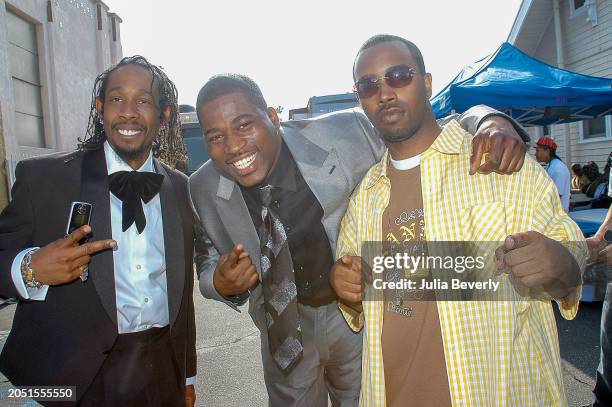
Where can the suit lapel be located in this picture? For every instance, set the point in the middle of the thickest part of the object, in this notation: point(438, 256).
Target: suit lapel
point(320, 168)
point(229, 202)
point(94, 189)
point(173, 243)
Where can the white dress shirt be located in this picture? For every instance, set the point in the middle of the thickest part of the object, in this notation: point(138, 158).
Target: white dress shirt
point(139, 262)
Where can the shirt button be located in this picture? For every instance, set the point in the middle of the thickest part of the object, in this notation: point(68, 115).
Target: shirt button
point(146, 299)
point(138, 267)
point(276, 203)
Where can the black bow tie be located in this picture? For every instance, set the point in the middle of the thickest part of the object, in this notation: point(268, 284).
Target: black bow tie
point(132, 187)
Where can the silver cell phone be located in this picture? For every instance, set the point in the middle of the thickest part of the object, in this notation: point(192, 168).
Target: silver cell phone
point(80, 214)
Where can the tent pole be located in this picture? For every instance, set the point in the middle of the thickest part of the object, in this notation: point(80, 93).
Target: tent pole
point(561, 64)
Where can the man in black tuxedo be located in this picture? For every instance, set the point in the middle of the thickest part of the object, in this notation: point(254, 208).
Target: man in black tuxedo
point(113, 317)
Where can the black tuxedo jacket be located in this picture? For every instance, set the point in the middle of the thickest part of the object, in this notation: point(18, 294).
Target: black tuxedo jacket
point(65, 339)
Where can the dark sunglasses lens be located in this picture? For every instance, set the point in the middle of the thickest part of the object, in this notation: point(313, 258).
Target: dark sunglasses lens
point(399, 77)
point(366, 87)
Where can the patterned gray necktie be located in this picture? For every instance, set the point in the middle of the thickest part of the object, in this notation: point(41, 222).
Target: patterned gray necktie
point(280, 291)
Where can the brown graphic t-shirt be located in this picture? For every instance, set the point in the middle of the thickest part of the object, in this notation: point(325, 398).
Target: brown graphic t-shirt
point(413, 352)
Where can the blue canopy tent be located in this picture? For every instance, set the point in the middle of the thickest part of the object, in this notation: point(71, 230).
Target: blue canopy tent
point(532, 92)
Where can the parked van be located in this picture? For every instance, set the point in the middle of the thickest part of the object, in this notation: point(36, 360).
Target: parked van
point(197, 153)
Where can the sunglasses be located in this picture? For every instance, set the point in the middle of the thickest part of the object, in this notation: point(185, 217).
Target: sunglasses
point(397, 77)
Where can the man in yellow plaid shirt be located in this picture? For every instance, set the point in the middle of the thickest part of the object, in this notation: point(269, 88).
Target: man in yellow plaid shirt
point(459, 353)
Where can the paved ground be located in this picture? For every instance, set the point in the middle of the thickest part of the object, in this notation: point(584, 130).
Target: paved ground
point(229, 362)
point(579, 341)
point(230, 372)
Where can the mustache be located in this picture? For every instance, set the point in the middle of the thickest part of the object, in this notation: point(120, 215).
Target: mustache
point(389, 105)
point(138, 125)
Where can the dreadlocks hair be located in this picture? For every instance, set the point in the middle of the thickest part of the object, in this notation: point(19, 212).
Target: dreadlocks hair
point(168, 146)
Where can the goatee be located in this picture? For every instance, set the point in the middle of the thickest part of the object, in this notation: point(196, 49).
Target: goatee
point(397, 135)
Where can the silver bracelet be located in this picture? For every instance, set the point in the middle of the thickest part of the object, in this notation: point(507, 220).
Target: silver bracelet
point(27, 272)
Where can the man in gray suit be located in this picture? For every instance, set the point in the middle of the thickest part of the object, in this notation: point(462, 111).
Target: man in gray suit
point(270, 202)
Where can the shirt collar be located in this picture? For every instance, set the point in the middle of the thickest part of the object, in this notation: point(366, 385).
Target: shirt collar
point(284, 173)
point(449, 141)
point(115, 163)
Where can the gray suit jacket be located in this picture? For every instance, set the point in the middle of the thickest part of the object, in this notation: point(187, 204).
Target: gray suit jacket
point(333, 152)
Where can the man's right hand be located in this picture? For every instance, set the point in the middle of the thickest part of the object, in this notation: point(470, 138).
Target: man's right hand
point(235, 273)
point(63, 260)
point(346, 279)
point(595, 244)
point(599, 250)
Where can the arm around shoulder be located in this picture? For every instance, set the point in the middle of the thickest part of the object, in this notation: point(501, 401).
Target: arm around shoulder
point(472, 118)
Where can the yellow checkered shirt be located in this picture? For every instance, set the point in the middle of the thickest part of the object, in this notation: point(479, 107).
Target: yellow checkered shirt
point(498, 353)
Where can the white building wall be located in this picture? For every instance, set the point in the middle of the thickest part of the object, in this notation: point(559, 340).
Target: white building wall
point(588, 50)
point(546, 50)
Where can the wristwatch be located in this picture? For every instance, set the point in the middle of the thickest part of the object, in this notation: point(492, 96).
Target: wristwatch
point(27, 272)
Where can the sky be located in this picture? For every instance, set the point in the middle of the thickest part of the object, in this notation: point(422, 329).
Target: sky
point(295, 50)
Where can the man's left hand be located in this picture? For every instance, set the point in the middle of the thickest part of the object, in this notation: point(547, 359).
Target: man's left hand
point(537, 261)
point(504, 149)
point(190, 395)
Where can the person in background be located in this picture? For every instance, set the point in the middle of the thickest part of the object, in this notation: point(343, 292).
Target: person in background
point(601, 198)
point(546, 153)
point(600, 250)
point(578, 178)
point(591, 172)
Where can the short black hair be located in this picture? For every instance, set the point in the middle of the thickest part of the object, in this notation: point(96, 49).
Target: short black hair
point(380, 38)
point(223, 84)
point(577, 169)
